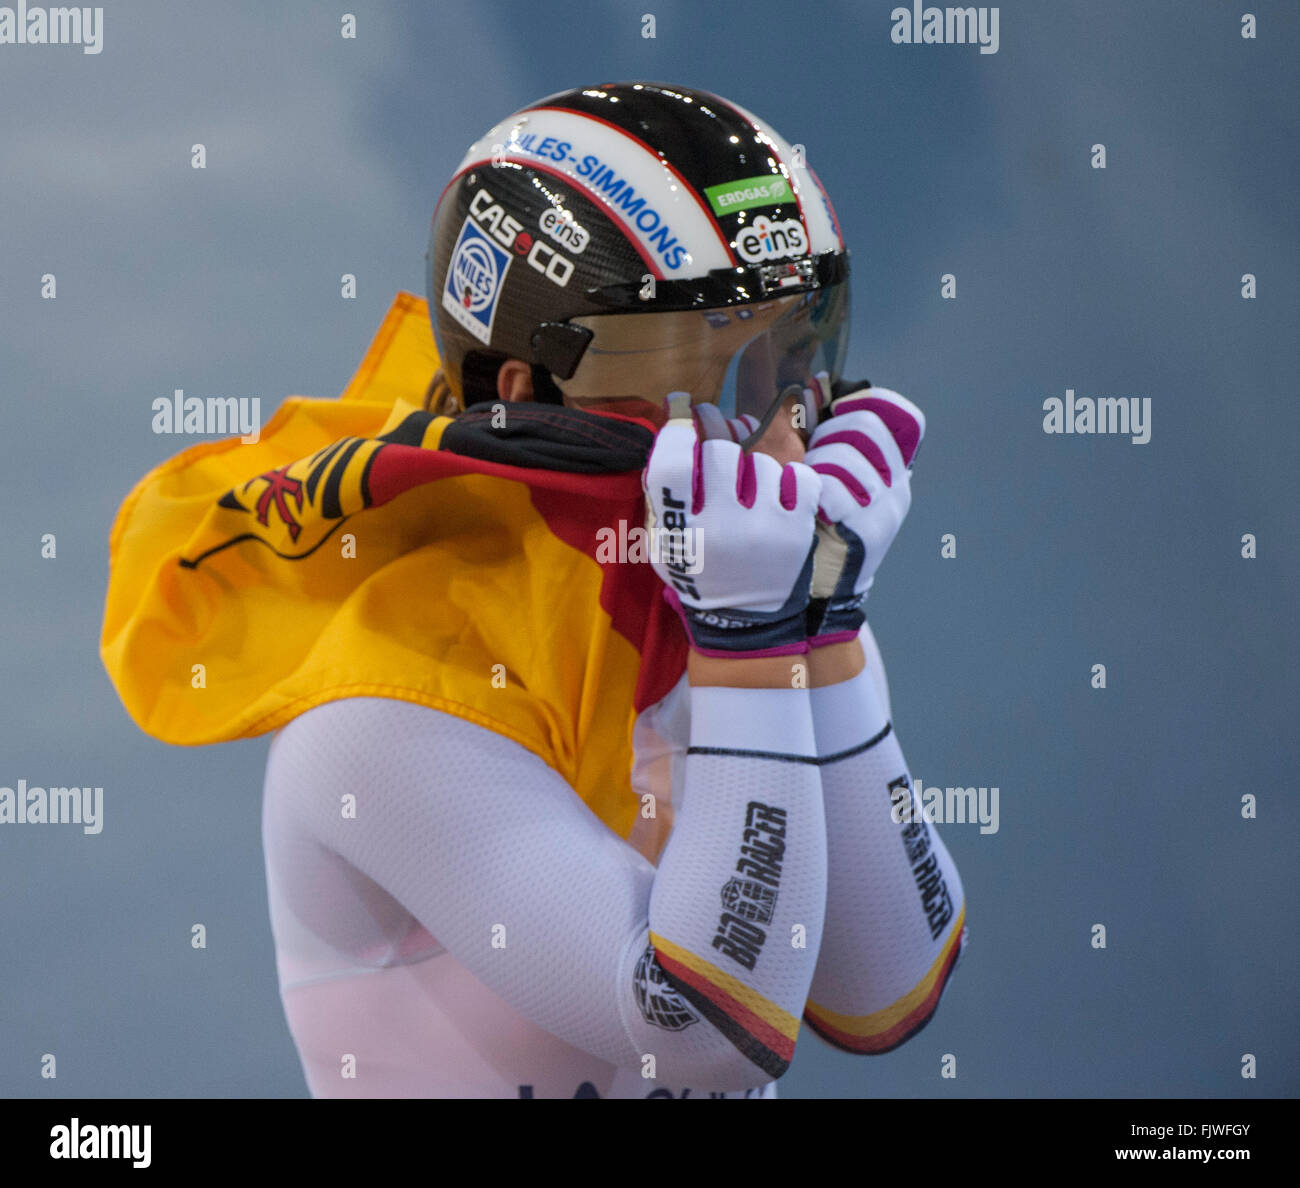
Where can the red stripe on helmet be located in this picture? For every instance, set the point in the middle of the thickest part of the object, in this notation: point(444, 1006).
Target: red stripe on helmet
point(690, 189)
point(835, 222)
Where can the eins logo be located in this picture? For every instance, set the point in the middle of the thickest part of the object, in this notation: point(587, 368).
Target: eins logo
point(562, 227)
point(765, 240)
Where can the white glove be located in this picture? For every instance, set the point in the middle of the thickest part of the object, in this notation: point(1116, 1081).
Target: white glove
point(732, 538)
point(864, 453)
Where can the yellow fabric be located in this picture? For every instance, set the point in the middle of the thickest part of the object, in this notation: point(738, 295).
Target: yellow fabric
point(401, 359)
point(456, 594)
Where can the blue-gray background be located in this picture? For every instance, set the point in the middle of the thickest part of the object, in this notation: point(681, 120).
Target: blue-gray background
point(325, 156)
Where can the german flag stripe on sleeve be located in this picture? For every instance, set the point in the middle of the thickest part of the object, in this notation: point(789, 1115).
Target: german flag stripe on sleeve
point(759, 1029)
point(885, 1029)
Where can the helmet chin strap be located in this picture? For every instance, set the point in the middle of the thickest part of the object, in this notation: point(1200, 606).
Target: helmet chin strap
point(768, 417)
point(798, 392)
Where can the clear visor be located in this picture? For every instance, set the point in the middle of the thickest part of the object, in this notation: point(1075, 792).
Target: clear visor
point(746, 359)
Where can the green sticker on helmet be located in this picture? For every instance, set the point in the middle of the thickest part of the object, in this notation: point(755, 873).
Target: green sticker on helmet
point(764, 190)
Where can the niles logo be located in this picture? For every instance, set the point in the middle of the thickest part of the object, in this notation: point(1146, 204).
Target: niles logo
point(562, 227)
point(766, 240)
point(474, 275)
point(509, 233)
point(474, 279)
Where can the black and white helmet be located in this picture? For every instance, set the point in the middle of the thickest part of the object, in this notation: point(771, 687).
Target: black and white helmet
point(599, 228)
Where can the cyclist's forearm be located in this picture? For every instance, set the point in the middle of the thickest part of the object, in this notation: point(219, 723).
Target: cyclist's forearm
point(895, 908)
point(752, 819)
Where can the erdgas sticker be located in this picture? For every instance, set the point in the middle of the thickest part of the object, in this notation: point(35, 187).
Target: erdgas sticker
point(747, 192)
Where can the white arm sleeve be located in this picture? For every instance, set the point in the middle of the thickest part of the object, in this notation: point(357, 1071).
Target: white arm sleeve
point(494, 853)
point(895, 907)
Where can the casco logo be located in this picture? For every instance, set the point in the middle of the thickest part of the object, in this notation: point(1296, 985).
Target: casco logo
point(509, 233)
point(562, 227)
point(766, 240)
point(489, 213)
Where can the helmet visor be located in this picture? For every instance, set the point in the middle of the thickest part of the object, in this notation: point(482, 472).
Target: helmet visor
point(747, 359)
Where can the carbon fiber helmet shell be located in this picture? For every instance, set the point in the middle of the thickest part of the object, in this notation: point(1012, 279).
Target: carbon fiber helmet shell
point(625, 197)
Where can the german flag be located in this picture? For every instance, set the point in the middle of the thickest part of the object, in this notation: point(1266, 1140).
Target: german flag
point(365, 547)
